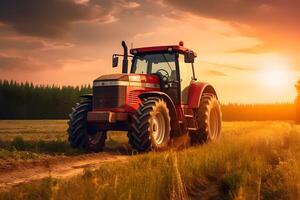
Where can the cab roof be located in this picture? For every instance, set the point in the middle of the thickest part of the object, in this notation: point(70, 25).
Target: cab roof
point(170, 48)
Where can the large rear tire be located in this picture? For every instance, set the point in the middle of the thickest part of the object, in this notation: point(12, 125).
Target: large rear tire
point(150, 129)
point(209, 119)
point(83, 135)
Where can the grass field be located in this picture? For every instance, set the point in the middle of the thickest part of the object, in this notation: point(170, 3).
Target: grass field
point(251, 160)
point(34, 139)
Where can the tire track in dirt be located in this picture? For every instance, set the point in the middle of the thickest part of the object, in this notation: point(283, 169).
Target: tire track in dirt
point(58, 167)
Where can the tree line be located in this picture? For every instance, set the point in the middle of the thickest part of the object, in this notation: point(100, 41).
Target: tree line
point(29, 101)
point(258, 112)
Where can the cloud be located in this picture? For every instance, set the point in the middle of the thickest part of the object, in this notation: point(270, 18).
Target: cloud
point(26, 63)
point(277, 22)
point(245, 11)
point(130, 4)
point(260, 48)
point(49, 18)
point(214, 73)
point(13, 44)
point(24, 43)
point(227, 66)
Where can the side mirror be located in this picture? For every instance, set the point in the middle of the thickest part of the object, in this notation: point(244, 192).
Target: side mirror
point(115, 61)
point(189, 57)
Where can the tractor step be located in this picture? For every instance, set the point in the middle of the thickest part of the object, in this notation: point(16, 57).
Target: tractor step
point(191, 122)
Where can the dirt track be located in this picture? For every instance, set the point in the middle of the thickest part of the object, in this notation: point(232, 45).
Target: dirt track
point(12, 174)
point(59, 167)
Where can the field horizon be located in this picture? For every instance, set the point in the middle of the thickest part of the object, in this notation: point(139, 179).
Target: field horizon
point(29, 101)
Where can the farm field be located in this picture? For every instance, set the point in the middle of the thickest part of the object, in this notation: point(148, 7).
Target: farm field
point(251, 160)
point(30, 139)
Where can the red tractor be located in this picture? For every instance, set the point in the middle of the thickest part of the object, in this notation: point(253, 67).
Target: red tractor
point(159, 100)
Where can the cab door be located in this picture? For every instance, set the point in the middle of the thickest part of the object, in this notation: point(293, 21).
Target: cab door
point(186, 76)
point(168, 67)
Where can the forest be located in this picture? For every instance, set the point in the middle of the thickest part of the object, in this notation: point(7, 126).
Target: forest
point(29, 101)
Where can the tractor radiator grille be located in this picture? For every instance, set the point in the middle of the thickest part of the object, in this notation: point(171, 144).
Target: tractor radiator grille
point(109, 96)
point(133, 97)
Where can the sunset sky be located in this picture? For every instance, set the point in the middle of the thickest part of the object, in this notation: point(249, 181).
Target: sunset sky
point(248, 49)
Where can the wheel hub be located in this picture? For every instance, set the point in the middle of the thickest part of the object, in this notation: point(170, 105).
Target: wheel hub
point(158, 128)
point(214, 123)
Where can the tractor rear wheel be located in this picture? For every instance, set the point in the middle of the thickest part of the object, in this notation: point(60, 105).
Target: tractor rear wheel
point(209, 119)
point(84, 135)
point(150, 128)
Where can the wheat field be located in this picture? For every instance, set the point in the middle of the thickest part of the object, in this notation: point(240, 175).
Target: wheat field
point(251, 160)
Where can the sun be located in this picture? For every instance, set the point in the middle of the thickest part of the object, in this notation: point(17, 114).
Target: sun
point(275, 77)
point(275, 72)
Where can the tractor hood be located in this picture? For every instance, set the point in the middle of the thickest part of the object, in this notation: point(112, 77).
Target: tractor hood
point(128, 79)
point(109, 77)
point(120, 91)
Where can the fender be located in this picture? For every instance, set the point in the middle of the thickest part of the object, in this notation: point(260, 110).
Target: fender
point(87, 96)
point(171, 106)
point(197, 89)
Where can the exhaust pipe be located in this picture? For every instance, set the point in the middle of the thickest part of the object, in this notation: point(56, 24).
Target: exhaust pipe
point(125, 58)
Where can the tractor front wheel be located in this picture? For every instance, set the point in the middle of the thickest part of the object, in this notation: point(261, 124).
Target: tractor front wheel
point(84, 135)
point(150, 129)
point(209, 118)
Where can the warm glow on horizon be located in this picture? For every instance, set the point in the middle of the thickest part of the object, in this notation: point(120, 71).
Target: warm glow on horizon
point(275, 73)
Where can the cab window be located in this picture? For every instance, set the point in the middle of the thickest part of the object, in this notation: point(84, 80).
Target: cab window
point(163, 63)
point(186, 69)
point(186, 76)
point(143, 64)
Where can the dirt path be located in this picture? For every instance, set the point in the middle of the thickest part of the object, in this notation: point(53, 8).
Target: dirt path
point(15, 173)
point(58, 167)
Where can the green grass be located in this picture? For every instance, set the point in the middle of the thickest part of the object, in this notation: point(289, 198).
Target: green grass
point(35, 139)
point(252, 160)
point(51, 147)
point(14, 155)
point(33, 129)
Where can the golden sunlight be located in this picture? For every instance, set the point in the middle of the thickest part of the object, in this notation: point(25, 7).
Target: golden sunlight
point(275, 73)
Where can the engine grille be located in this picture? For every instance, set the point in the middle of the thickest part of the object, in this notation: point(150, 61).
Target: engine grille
point(109, 96)
point(133, 97)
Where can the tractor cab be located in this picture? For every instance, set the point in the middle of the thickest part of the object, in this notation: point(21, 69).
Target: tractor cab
point(174, 66)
